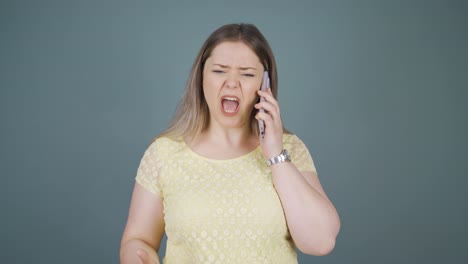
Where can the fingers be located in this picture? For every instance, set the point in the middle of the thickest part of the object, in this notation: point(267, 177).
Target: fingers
point(270, 105)
point(271, 116)
point(265, 117)
point(272, 143)
point(270, 108)
point(268, 95)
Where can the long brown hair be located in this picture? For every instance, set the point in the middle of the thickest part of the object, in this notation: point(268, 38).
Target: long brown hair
point(192, 114)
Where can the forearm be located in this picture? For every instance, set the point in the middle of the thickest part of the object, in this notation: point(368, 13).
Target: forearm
point(128, 251)
point(312, 219)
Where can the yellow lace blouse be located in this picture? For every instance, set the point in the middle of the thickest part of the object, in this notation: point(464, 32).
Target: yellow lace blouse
point(220, 211)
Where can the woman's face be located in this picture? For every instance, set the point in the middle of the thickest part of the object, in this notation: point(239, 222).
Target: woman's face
point(231, 78)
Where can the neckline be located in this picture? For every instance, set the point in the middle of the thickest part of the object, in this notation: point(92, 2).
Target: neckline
point(196, 154)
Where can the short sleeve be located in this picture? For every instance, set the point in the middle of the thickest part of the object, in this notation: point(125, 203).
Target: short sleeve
point(300, 155)
point(147, 173)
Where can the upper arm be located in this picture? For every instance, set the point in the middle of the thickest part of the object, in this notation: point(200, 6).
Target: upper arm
point(312, 178)
point(304, 163)
point(146, 217)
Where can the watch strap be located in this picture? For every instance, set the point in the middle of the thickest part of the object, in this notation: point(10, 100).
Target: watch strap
point(282, 157)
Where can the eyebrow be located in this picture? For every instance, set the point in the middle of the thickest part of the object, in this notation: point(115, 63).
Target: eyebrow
point(241, 68)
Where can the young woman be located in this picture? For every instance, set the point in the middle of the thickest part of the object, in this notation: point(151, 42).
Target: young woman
point(220, 192)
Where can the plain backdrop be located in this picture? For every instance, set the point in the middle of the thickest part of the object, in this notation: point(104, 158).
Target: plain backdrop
point(376, 89)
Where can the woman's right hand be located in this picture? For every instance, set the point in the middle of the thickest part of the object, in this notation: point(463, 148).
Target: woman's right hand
point(147, 258)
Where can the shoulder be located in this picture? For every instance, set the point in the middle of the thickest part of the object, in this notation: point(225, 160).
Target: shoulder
point(166, 145)
point(299, 152)
point(292, 139)
point(295, 145)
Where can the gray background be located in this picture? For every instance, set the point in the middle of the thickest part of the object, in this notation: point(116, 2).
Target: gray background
point(376, 89)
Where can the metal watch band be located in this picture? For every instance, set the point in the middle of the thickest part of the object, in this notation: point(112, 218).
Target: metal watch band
point(282, 157)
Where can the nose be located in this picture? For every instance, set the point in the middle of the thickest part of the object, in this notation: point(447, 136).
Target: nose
point(232, 81)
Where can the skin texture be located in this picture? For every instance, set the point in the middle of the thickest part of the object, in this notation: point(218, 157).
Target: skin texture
point(312, 219)
point(234, 69)
point(145, 228)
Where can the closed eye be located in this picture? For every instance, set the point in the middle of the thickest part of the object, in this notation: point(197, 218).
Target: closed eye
point(248, 75)
point(218, 71)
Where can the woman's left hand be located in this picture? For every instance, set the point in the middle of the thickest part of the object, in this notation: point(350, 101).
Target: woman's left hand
point(272, 143)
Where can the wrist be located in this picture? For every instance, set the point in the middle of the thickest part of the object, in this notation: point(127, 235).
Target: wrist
point(283, 156)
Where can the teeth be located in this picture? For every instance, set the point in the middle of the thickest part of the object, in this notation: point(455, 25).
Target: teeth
point(231, 99)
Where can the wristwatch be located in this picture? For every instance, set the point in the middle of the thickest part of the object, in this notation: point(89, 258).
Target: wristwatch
point(282, 157)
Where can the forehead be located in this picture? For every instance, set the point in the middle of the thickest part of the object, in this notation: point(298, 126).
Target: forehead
point(234, 53)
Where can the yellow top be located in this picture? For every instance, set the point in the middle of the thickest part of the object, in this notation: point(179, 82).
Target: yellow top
point(220, 211)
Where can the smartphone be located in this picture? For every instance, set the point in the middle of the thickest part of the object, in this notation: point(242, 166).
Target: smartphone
point(265, 85)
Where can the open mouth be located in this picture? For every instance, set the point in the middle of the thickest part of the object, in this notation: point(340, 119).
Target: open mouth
point(230, 105)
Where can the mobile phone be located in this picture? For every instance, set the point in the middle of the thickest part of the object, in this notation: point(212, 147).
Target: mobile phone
point(265, 85)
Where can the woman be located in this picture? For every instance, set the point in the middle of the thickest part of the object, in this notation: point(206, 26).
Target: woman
point(205, 182)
